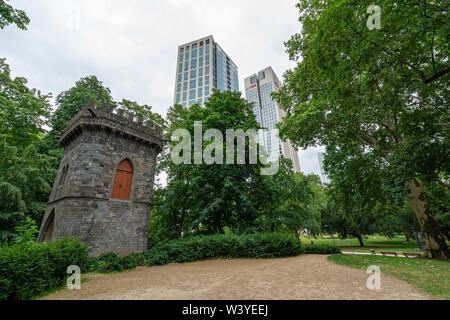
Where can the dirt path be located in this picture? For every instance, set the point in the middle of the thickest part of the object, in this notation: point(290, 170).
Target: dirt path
point(302, 277)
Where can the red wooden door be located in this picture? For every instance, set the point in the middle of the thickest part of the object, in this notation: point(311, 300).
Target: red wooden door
point(123, 181)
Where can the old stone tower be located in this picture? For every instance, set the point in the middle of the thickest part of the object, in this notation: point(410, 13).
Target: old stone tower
point(102, 193)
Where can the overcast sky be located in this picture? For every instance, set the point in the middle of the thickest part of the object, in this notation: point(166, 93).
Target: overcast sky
point(132, 45)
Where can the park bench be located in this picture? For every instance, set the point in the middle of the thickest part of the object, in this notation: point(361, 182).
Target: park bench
point(388, 253)
point(410, 254)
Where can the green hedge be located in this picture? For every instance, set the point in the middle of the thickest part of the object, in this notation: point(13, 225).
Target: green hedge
point(320, 249)
point(28, 269)
point(223, 246)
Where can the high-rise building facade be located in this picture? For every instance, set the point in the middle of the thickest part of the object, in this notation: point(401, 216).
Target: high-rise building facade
point(202, 65)
point(323, 175)
point(258, 88)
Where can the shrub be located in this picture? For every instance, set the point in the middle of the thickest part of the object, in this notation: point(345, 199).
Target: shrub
point(108, 262)
point(223, 246)
point(320, 249)
point(27, 269)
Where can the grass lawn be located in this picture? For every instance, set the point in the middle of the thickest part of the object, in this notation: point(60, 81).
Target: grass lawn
point(379, 243)
point(431, 276)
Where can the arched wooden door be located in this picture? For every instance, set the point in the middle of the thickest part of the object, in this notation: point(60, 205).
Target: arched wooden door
point(122, 181)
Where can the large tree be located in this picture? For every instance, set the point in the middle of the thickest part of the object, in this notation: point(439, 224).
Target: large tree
point(381, 92)
point(25, 174)
point(23, 111)
point(207, 198)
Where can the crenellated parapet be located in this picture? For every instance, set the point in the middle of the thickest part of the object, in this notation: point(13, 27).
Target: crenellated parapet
point(117, 121)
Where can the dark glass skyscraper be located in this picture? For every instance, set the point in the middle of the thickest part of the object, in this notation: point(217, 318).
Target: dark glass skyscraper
point(202, 66)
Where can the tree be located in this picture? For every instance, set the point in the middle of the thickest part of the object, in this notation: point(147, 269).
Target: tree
point(23, 111)
point(381, 92)
point(292, 202)
point(10, 15)
point(69, 102)
point(25, 174)
point(24, 187)
point(208, 198)
point(142, 111)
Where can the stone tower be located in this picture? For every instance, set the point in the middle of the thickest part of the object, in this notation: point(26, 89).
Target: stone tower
point(102, 193)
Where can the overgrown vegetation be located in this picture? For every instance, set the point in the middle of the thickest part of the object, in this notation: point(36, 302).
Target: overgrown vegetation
point(27, 269)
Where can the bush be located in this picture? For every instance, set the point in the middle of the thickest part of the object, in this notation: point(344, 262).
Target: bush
point(320, 249)
point(223, 246)
point(28, 269)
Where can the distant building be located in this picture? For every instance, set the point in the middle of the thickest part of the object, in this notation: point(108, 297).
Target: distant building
point(323, 176)
point(202, 65)
point(258, 88)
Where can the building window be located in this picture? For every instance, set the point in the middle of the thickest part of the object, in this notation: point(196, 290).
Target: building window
point(179, 87)
point(192, 94)
point(193, 74)
point(179, 78)
point(206, 60)
point(253, 80)
point(178, 98)
point(192, 84)
point(123, 181)
point(200, 72)
point(261, 75)
point(184, 96)
point(185, 86)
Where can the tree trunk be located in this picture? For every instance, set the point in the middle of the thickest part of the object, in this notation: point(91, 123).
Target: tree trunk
point(406, 236)
point(361, 243)
point(432, 233)
point(180, 230)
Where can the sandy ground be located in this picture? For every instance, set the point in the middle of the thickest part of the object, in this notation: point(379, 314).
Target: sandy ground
point(302, 277)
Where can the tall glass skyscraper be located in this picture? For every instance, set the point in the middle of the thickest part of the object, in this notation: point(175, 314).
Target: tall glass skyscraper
point(202, 66)
point(258, 88)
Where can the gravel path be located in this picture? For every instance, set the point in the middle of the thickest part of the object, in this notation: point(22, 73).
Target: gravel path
point(302, 277)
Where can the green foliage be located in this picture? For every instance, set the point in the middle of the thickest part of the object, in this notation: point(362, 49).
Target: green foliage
point(208, 199)
point(195, 248)
point(26, 232)
point(27, 269)
point(24, 187)
point(376, 99)
point(142, 111)
point(10, 15)
point(23, 111)
point(320, 249)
